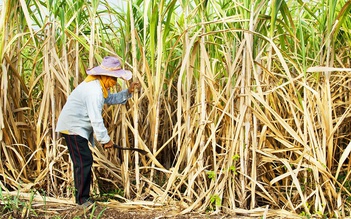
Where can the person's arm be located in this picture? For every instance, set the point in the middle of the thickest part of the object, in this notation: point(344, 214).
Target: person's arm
point(118, 98)
point(122, 96)
point(133, 87)
point(108, 144)
point(94, 106)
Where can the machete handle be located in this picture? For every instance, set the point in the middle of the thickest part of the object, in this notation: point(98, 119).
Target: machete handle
point(131, 149)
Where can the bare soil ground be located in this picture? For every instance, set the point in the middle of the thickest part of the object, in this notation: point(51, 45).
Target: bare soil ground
point(101, 211)
point(66, 209)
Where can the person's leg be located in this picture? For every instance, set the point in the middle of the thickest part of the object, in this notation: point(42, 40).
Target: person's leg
point(82, 161)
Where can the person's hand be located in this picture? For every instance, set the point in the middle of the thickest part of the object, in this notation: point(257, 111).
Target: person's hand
point(133, 86)
point(108, 144)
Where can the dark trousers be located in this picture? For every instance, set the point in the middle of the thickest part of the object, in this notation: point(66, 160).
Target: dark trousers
point(82, 159)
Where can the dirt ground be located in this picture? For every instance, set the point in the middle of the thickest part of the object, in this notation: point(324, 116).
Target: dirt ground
point(113, 213)
point(101, 211)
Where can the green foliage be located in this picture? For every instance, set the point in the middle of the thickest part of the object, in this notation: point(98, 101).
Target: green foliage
point(233, 169)
point(211, 174)
point(236, 157)
point(305, 215)
point(16, 206)
point(114, 194)
point(215, 201)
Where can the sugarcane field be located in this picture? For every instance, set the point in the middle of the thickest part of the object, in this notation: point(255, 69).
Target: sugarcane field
point(175, 109)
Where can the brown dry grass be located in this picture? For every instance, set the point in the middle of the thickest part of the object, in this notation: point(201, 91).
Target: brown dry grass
point(233, 120)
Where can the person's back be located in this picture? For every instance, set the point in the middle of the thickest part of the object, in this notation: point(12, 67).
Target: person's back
point(83, 107)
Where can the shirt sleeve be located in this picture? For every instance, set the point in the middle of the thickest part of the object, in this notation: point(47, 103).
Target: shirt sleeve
point(94, 108)
point(118, 98)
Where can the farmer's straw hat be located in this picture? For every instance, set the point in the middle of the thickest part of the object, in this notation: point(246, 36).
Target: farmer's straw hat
point(110, 66)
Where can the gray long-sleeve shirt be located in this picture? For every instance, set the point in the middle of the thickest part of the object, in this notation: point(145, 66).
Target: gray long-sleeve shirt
point(82, 113)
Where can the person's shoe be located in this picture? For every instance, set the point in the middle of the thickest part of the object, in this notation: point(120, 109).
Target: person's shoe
point(87, 204)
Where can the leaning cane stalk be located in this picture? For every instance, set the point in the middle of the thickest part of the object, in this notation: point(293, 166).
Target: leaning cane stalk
point(135, 97)
point(124, 166)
